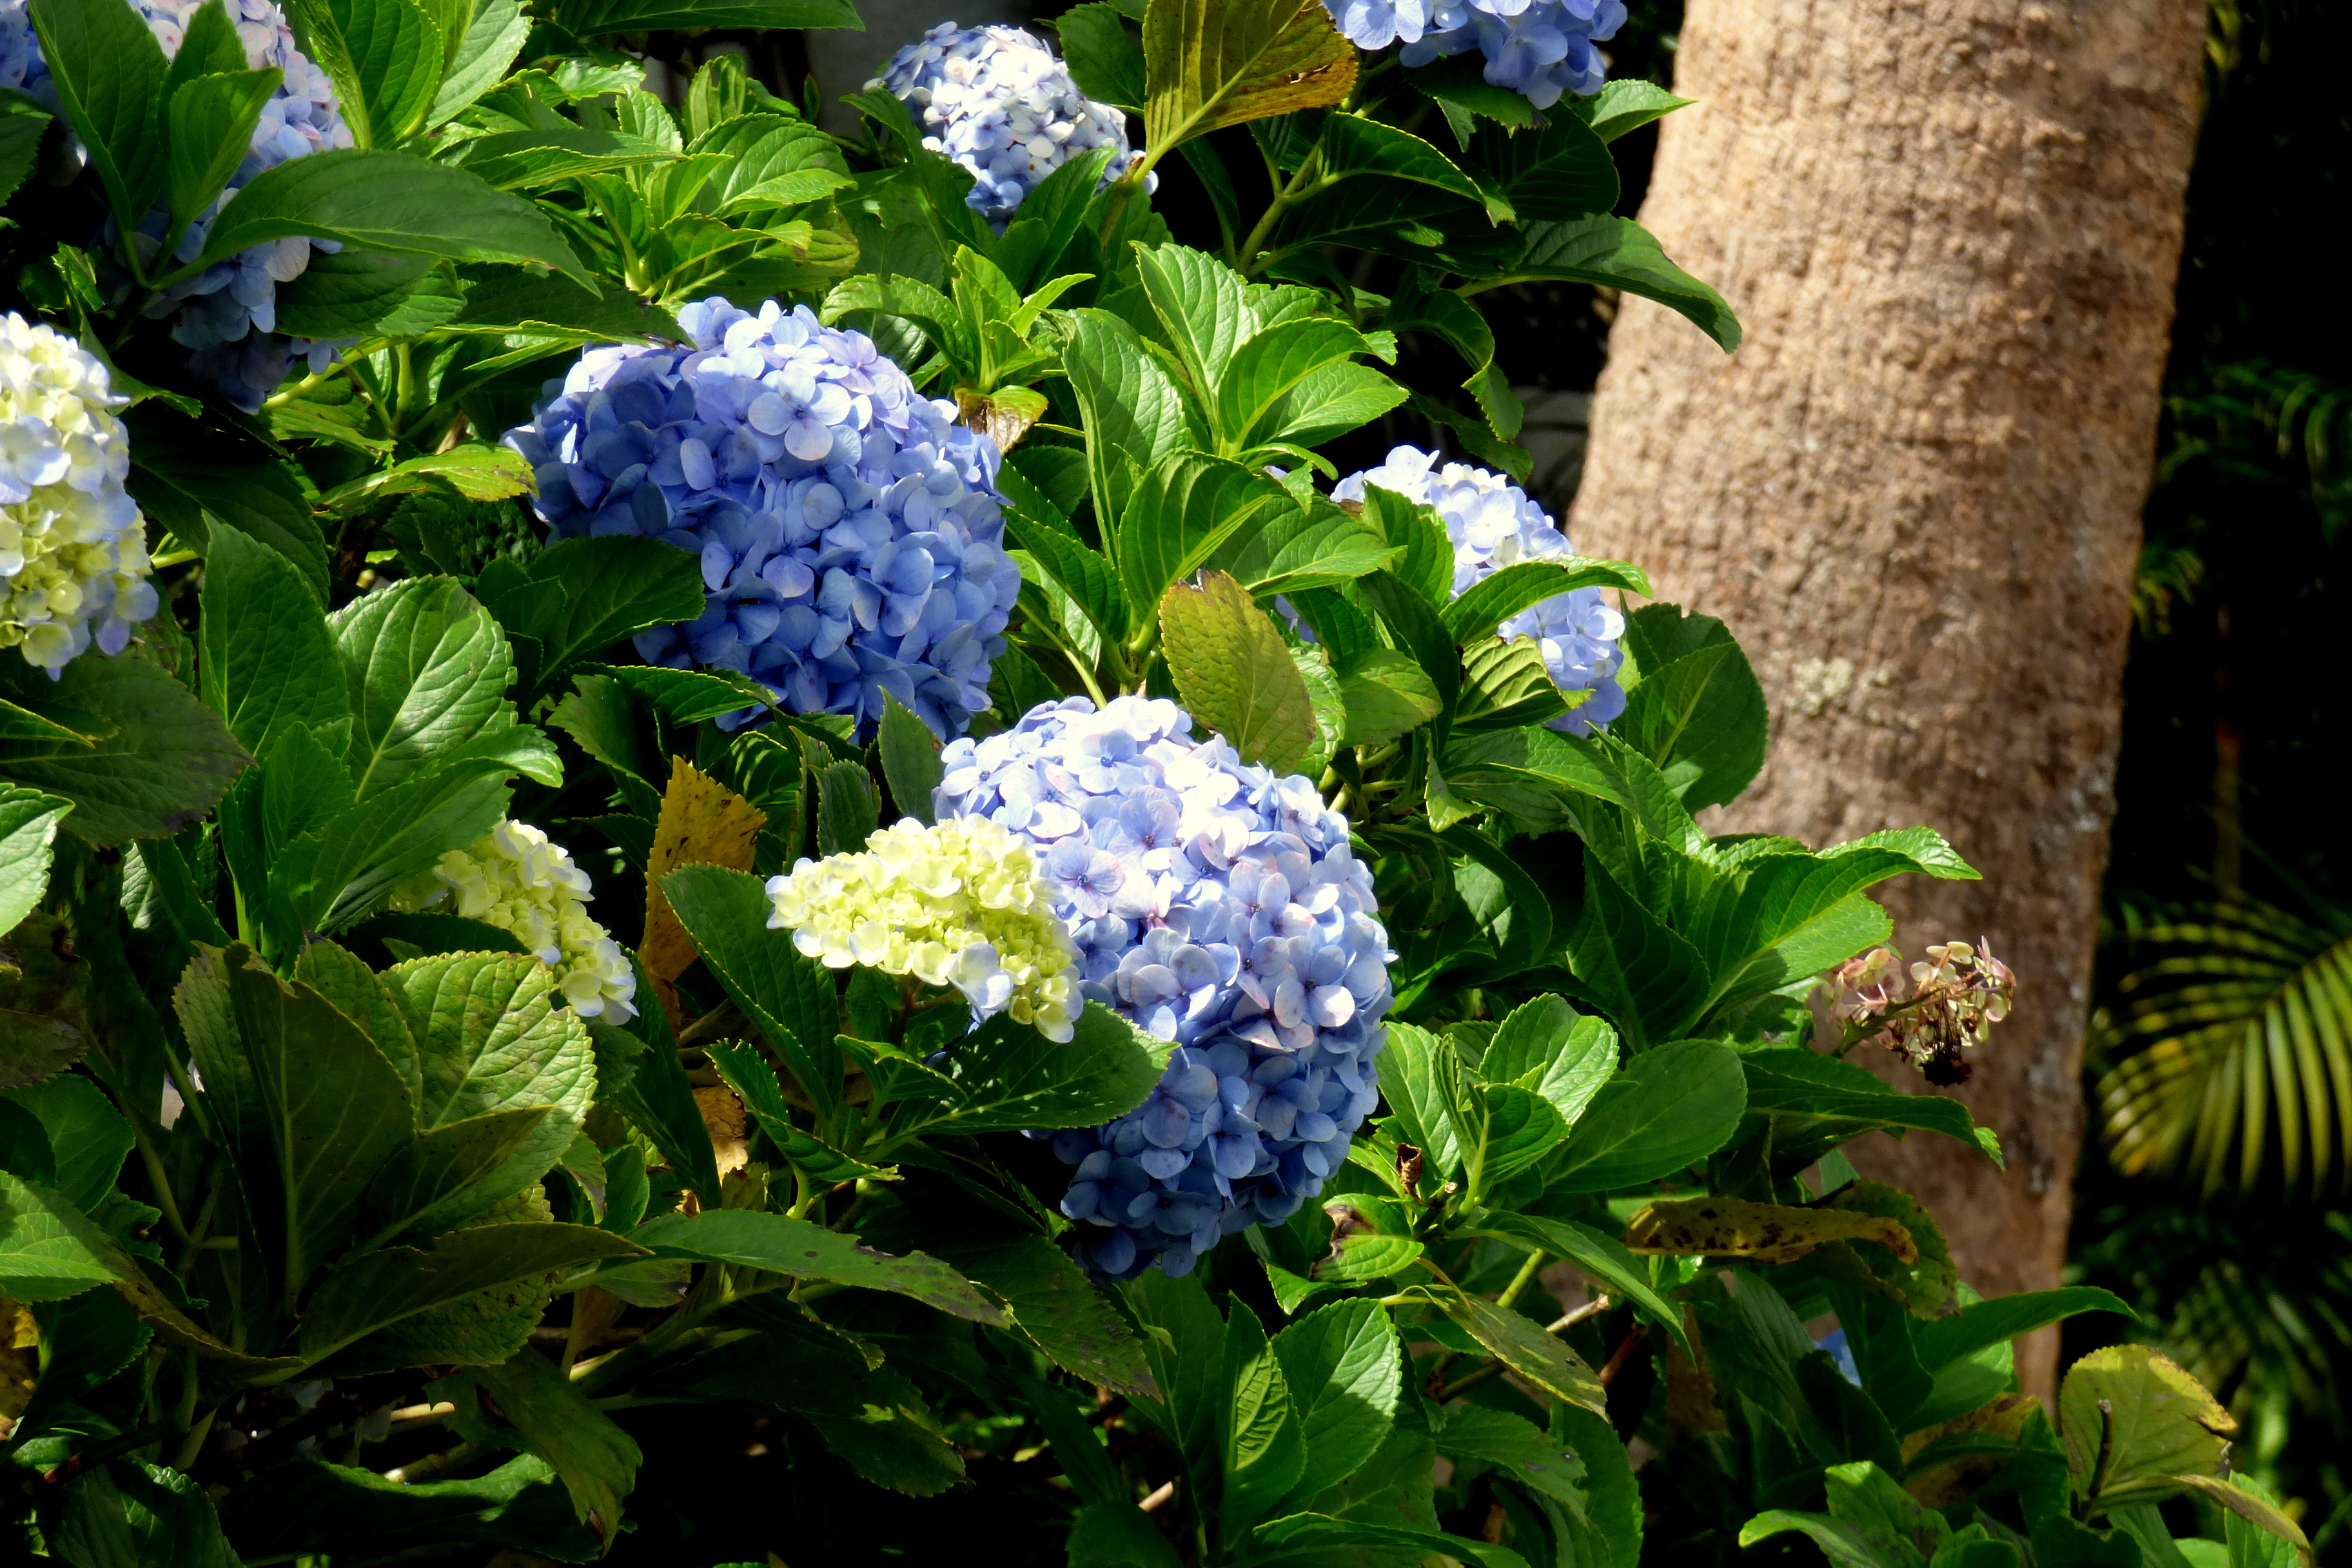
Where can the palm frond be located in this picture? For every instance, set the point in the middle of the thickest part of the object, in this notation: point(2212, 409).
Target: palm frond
point(2239, 411)
point(2228, 1061)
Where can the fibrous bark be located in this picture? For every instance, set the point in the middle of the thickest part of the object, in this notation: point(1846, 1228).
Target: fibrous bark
point(1951, 228)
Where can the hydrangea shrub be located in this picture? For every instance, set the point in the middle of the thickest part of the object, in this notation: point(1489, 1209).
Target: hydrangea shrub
point(1054, 1037)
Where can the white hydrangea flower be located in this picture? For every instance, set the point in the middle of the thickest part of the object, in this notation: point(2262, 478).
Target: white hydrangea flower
point(962, 904)
point(515, 880)
point(73, 545)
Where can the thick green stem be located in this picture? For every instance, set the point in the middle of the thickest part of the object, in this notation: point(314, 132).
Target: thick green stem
point(404, 392)
point(1303, 183)
point(192, 1446)
point(153, 1159)
point(1520, 1280)
point(805, 1193)
point(1086, 679)
point(303, 387)
point(200, 1230)
point(1123, 191)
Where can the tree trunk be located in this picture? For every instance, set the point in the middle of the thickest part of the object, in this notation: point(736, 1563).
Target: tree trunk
point(1951, 228)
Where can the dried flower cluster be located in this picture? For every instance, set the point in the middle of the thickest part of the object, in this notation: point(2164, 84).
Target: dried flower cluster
point(1931, 1013)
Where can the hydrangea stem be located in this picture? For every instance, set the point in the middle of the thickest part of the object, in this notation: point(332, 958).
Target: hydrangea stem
point(1301, 185)
point(153, 1160)
point(303, 387)
point(1520, 1280)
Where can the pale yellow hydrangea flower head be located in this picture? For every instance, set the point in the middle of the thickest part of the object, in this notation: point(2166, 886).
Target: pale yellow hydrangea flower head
point(961, 904)
point(73, 547)
point(515, 880)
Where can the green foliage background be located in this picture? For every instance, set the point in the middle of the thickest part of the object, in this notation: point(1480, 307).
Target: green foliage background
point(414, 1263)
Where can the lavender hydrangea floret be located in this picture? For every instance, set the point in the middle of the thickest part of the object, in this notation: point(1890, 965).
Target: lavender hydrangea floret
point(227, 314)
point(1538, 48)
point(850, 535)
point(1215, 905)
point(997, 101)
point(22, 65)
point(1493, 524)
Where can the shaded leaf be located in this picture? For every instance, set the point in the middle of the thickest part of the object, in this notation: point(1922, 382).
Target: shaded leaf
point(166, 761)
point(1058, 1310)
point(793, 1247)
point(375, 1290)
point(1235, 672)
point(1768, 1233)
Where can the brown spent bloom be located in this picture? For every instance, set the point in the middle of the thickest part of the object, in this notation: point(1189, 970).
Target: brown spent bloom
point(1930, 1015)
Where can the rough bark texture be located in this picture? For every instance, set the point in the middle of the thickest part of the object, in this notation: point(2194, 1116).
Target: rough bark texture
point(1951, 228)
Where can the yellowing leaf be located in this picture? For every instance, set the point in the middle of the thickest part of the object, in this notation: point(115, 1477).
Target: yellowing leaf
point(2258, 1511)
point(1235, 671)
point(702, 823)
point(20, 1361)
point(2131, 1415)
point(1693, 1405)
point(1212, 63)
point(724, 1117)
point(1004, 415)
point(1956, 1480)
point(1926, 1286)
point(1768, 1233)
point(477, 473)
point(1522, 1345)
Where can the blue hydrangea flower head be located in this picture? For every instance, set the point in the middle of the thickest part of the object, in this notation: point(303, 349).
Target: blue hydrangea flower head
point(1539, 49)
point(227, 314)
point(850, 534)
point(1377, 24)
point(1216, 905)
point(22, 65)
point(1494, 524)
point(997, 101)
